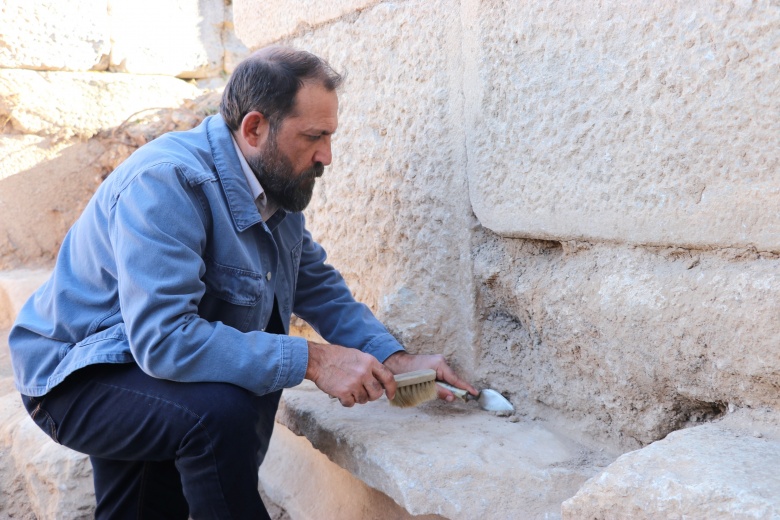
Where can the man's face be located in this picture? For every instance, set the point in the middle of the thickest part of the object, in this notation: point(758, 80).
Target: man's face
point(290, 159)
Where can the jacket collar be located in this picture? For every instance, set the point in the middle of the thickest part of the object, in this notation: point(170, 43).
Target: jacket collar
point(228, 168)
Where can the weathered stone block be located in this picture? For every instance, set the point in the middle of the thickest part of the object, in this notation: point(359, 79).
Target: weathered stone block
point(406, 250)
point(54, 34)
point(703, 472)
point(629, 343)
point(55, 482)
point(648, 124)
point(172, 37)
point(453, 460)
point(80, 104)
point(261, 23)
point(308, 485)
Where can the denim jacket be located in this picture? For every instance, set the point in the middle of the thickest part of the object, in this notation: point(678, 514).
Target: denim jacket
point(170, 266)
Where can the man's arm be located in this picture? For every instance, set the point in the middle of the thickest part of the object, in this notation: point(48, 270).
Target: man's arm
point(324, 301)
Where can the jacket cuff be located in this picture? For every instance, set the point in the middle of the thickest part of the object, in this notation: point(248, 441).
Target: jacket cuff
point(382, 347)
point(295, 356)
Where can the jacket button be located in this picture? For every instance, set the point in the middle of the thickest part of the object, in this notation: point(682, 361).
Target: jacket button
point(268, 276)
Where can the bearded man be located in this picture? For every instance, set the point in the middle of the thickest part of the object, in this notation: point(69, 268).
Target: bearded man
point(159, 345)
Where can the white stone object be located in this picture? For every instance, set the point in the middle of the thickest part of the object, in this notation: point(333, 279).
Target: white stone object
point(180, 38)
point(54, 34)
point(702, 472)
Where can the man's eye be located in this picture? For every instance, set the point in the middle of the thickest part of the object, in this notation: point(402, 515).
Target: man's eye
point(314, 137)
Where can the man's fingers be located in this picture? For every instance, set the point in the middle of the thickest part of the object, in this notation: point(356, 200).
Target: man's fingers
point(385, 378)
point(449, 376)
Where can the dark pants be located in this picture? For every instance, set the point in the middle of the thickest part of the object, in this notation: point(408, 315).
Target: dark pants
point(161, 449)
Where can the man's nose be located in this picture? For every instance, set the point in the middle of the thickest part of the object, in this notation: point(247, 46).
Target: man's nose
point(323, 153)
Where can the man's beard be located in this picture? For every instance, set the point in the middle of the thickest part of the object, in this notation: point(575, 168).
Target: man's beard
point(281, 185)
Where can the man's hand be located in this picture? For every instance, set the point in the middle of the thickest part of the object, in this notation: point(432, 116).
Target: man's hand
point(348, 374)
point(402, 362)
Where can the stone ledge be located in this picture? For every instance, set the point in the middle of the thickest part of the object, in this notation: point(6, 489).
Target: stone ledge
point(453, 460)
point(709, 471)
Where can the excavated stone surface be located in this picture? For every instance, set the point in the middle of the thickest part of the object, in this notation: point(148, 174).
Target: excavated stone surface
point(279, 18)
point(54, 35)
point(40, 478)
point(312, 487)
point(452, 460)
point(67, 104)
point(628, 343)
point(703, 472)
point(172, 37)
point(650, 124)
point(235, 50)
point(393, 210)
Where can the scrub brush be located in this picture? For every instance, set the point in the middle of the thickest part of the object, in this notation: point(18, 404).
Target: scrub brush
point(414, 388)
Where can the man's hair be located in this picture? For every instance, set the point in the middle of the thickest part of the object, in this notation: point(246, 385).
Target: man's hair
point(268, 81)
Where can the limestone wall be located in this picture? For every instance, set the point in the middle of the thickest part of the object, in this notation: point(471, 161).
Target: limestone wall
point(73, 75)
point(578, 202)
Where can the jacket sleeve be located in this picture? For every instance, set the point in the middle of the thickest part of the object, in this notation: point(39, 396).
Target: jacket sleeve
point(323, 300)
point(158, 230)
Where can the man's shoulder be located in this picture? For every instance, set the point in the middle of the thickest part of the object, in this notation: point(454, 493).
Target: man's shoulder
point(188, 154)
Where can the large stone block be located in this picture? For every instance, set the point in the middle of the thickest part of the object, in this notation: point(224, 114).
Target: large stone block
point(16, 286)
point(393, 209)
point(54, 34)
point(260, 23)
point(703, 472)
point(172, 37)
point(650, 123)
point(452, 460)
point(308, 485)
point(628, 343)
point(67, 104)
point(40, 477)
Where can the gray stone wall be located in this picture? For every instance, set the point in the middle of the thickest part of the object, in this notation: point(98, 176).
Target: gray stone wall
point(579, 203)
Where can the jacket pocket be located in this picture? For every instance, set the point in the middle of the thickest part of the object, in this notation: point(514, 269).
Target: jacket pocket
point(233, 285)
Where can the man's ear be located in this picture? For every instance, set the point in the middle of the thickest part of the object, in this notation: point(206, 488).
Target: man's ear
point(255, 128)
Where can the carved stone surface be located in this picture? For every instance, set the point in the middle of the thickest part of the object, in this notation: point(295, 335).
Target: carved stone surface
point(54, 35)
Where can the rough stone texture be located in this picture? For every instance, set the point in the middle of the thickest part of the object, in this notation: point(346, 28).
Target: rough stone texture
point(393, 210)
point(265, 22)
point(172, 37)
point(66, 104)
point(453, 460)
point(40, 478)
point(312, 487)
point(628, 343)
point(54, 34)
point(643, 123)
point(703, 472)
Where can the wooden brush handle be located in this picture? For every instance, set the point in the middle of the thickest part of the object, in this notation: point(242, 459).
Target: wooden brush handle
point(457, 391)
point(412, 378)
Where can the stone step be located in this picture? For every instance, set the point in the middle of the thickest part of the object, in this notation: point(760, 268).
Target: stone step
point(713, 471)
point(452, 460)
point(16, 286)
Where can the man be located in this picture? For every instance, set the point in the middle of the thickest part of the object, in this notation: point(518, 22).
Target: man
point(159, 347)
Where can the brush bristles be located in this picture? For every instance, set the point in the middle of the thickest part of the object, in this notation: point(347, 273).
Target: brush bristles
point(414, 388)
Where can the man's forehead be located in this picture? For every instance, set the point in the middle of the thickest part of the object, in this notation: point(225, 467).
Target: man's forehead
point(315, 109)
